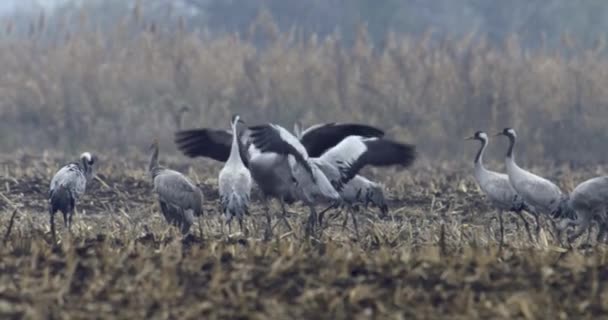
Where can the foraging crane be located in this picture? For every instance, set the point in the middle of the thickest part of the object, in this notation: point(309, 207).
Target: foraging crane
point(539, 193)
point(180, 199)
point(497, 187)
point(67, 186)
point(321, 178)
point(270, 170)
point(358, 190)
point(589, 200)
point(235, 181)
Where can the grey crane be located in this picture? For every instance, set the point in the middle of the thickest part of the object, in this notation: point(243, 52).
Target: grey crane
point(180, 199)
point(235, 181)
point(497, 187)
point(270, 170)
point(67, 186)
point(542, 195)
point(321, 178)
point(589, 200)
point(358, 190)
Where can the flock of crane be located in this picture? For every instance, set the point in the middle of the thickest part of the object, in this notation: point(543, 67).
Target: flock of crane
point(316, 165)
point(321, 165)
point(519, 190)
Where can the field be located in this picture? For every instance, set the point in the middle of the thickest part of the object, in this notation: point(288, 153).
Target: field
point(69, 86)
point(435, 256)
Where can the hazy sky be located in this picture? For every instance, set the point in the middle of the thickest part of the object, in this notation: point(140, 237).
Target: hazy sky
point(9, 5)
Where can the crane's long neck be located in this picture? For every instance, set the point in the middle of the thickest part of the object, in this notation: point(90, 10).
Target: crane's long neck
point(235, 155)
point(153, 166)
point(86, 169)
point(511, 151)
point(480, 153)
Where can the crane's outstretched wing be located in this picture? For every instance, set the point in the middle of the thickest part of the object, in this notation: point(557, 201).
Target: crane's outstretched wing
point(354, 153)
point(319, 138)
point(209, 143)
point(274, 138)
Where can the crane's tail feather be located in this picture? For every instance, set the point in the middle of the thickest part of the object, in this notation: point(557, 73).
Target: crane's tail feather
point(61, 200)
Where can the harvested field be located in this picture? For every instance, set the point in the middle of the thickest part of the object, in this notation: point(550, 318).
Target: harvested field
point(435, 256)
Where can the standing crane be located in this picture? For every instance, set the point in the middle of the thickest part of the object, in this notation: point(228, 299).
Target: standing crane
point(323, 177)
point(270, 170)
point(67, 186)
point(497, 187)
point(235, 181)
point(589, 200)
point(542, 195)
point(180, 199)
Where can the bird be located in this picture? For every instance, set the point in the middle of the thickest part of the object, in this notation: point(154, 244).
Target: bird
point(270, 170)
point(67, 186)
point(589, 200)
point(540, 194)
point(179, 199)
point(358, 190)
point(235, 181)
point(322, 177)
point(497, 187)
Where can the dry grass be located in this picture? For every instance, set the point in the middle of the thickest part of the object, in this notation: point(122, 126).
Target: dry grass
point(75, 86)
point(437, 257)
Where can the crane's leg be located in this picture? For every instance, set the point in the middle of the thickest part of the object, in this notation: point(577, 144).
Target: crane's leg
point(537, 220)
point(352, 213)
point(241, 224)
point(502, 229)
point(70, 215)
point(268, 229)
point(65, 218)
point(583, 225)
point(345, 222)
point(54, 235)
point(312, 220)
point(200, 226)
point(526, 224)
point(284, 214)
point(322, 213)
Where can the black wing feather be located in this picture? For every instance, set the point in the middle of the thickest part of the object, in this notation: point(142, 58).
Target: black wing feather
point(380, 153)
point(319, 140)
point(209, 143)
point(268, 139)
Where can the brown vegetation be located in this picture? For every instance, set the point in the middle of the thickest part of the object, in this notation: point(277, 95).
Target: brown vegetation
point(117, 88)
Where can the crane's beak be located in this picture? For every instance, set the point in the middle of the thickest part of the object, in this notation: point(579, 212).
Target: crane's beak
point(469, 138)
point(498, 134)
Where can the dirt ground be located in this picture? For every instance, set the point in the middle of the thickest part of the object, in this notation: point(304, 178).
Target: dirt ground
point(434, 256)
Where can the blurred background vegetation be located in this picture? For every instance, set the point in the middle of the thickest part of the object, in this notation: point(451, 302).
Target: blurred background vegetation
point(109, 75)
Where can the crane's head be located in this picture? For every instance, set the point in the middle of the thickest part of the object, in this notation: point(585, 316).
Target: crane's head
point(236, 119)
point(154, 145)
point(297, 129)
point(88, 158)
point(509, 132)
point(479, 135)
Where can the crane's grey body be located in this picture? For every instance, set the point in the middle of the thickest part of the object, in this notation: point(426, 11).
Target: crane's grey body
point(497, 187)
point(321, 178)
point(179, 199)
point(539, 193)
point(589, 199)
point(67, 186)
point(235, 182)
